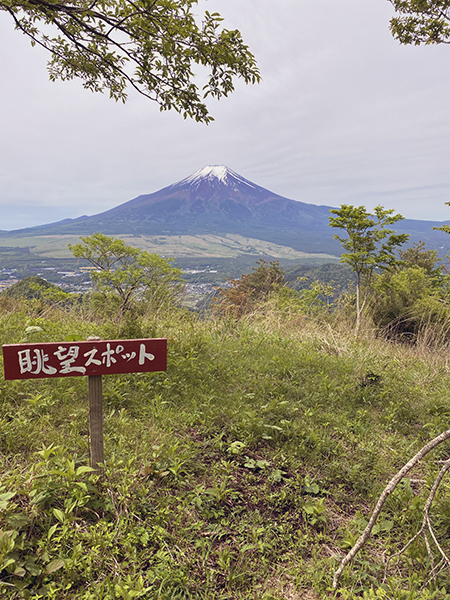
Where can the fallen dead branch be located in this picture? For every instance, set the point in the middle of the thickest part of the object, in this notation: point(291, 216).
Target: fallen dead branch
point(426, 524)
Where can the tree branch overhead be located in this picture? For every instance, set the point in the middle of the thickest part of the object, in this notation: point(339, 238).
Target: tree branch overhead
point(149, 45)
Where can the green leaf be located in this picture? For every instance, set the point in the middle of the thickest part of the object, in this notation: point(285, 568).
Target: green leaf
point(18, 520)
point(236, 447)
point(54, 565)
point(309, 509)
point(382, 526)
point(7, 562)
point(277, 475)
point(33, 329)
point(52, 530)
point(312, 489)
point(83, 469)
point(4, 499)
point(32, 567)
point(41, 497)
point(274, 427)
point(73, 338)
point(59, 515)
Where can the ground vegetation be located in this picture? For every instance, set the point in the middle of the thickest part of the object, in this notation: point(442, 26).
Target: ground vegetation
point(278, 457)
point(247, 470)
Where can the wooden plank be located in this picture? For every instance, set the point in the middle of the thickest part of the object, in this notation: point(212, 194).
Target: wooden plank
point(91, 358)
point(96, 450)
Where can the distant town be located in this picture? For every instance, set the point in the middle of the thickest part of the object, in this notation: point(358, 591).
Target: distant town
point(79, 281)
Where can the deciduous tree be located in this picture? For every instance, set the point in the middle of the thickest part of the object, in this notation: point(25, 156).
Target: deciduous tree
point(244, 293)
point(128, 273)
point(412, 299)
point(369, 245)
point(149, 45)
point(417, 256)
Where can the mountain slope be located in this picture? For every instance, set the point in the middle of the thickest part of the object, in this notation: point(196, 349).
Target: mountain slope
point(216, 200)
point(212, 200)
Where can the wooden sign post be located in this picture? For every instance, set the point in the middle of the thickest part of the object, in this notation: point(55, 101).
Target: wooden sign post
point(96, 421)
point(92, 359)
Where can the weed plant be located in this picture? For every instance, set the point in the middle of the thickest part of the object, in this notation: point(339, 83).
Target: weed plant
point(244, 471)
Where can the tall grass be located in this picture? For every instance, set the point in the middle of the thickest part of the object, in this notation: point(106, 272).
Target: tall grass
point(244, 471)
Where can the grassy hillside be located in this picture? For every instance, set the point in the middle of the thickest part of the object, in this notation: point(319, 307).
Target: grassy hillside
point(245, 471)
point(181, 246)
point(31, 287)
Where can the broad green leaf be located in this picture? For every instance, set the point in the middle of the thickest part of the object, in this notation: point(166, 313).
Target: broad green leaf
point(59, 515)
point(83, 469)
point(32, 567)
point(54, 565)
point(4, 499)
point(18, 520)
point(52, 530)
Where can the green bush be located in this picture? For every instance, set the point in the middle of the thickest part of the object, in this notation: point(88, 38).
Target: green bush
point(409, 301)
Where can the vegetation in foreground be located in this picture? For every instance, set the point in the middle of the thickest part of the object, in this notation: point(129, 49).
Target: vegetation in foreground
point(246, 470)
point(250, 467)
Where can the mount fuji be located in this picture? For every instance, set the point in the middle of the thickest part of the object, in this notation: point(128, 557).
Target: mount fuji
point(216, 200)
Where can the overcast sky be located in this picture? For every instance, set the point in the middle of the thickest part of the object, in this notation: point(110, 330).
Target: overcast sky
point(344, 114)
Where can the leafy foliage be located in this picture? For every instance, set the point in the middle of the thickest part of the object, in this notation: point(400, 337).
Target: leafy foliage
point(409, 301)
point(148, 45)
point(315, 300)
point(417, 256)
point(413, 296)
point(421, 21)
point(369, 245)
point(339, 275)
point(36, 287)
point(126, 274)
point(241, 472)
point(245, 293)
point(236, 466)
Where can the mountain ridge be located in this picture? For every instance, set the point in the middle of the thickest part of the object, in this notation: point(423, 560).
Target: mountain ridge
point(217, 200)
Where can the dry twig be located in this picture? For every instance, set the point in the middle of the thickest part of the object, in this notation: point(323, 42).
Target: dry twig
point(387, 491)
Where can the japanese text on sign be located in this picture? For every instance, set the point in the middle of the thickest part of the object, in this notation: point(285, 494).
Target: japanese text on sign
point(26, 361)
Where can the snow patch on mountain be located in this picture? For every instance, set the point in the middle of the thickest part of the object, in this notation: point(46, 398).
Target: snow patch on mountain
point(219, 172)
point(213, 173)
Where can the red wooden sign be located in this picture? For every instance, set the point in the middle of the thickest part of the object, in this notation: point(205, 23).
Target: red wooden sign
point(68, 359)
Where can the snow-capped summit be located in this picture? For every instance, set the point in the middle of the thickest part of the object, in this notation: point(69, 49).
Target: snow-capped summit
point(211, 172)
point(213, 200)
point(215, 174)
